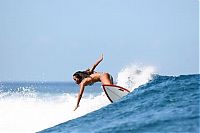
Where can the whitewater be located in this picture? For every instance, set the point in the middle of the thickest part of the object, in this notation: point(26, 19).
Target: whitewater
point(30, 107)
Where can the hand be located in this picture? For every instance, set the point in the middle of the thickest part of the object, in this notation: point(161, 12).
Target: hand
point(76, 108)
point(101, 57)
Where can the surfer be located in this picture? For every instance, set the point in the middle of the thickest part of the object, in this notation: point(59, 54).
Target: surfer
point(89, 77)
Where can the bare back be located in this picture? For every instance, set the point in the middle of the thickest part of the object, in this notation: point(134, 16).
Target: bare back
point(104, 78)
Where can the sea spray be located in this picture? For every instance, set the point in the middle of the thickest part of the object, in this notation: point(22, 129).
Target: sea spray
point(132, 76)
point(31, 114)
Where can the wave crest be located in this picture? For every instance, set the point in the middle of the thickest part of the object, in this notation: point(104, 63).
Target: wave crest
point(132, 76)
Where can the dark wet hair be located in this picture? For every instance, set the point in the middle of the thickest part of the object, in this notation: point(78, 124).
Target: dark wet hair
point(81, 75)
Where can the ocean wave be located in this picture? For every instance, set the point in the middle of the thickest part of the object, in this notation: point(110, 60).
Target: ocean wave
point(30, 107)
point(165, 104)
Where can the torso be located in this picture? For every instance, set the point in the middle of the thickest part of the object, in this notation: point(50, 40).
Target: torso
point(104, 78)
point(95, 77)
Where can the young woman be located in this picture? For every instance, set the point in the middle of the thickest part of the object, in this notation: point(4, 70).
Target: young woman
point(89, 77)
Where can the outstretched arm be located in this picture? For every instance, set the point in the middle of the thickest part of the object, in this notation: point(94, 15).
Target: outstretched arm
point(82, 86)
point(96, 64)
point(79, 96)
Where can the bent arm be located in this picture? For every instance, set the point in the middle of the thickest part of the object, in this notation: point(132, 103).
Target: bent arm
point(96, 64)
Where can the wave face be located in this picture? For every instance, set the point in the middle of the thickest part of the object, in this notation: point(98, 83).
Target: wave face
point(164, 104)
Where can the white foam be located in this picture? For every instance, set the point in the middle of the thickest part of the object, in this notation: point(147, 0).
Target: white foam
point(26, 111)
point(29, 114)
point(132, 76)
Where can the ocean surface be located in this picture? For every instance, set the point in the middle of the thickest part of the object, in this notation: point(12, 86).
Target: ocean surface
point(156, 104)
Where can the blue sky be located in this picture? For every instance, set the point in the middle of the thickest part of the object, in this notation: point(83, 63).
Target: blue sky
point(48, 40)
